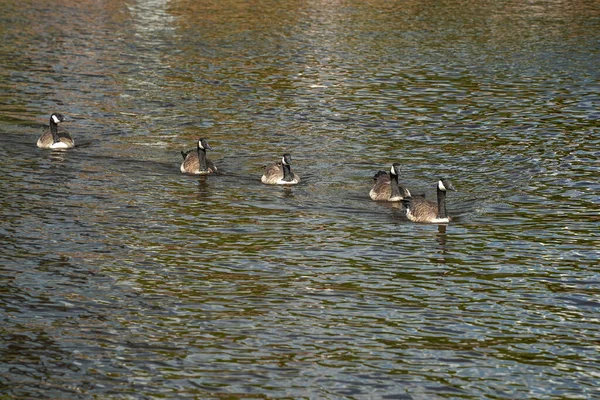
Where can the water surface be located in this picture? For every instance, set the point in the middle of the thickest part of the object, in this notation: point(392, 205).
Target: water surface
point(122, 278)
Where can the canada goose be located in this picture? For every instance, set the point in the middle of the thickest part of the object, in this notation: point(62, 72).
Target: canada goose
point(420, 210)
point(280, 173)
point(195, 161)
point(52, 138)
point(386, 187)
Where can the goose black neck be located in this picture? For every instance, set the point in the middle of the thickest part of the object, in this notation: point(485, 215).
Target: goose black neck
point(287, 172)
point(394, 185)
point(202, 159)
point(441, 197)
point(54, 130)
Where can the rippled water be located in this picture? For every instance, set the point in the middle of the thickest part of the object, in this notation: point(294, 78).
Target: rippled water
point(122, 278)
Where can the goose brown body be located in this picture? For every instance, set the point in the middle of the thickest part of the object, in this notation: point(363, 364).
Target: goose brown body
point(195, 161)
point(280, 173)
point(53, 138)
point(418, 209)
point(386, 187)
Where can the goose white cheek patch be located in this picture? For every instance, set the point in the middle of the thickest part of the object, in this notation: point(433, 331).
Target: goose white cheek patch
point(441, 186)
point(55, 119)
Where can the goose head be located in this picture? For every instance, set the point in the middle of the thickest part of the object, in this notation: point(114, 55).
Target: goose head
point(57, 118)
point(203, 145)
point(286, 159)
point(445, 184)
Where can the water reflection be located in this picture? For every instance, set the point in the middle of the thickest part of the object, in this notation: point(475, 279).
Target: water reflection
point(441, 237)
point(205, 191)
point(151, 18)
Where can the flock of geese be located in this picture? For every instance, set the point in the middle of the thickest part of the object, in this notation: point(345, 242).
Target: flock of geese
point(386, 187)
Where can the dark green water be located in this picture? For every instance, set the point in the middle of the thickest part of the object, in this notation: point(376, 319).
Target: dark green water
point(122, 278)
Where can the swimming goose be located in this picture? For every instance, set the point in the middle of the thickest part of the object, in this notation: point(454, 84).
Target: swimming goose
point(195, 161)
point(280, 173)
point(52, 138)
point(420, 210)
point(386, 187)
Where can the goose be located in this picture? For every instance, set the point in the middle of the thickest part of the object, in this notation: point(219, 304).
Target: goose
point(420, 210)
point(195, 161)
point(280, 173)
point(52, 138)
point(386, 187)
